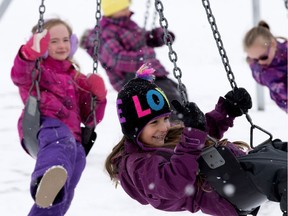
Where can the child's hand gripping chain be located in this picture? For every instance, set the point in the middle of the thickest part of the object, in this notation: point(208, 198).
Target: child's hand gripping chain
point(192, 116)
point(237, 102)
point(97, 86)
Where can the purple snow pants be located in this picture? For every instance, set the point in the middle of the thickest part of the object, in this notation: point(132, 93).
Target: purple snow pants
point(57, 146)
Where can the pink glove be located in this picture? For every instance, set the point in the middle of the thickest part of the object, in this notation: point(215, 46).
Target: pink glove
point(97, 86)
point(36, 46)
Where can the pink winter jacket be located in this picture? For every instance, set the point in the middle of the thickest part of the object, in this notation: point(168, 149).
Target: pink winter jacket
point(65, 94)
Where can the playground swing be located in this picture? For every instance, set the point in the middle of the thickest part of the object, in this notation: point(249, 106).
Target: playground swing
point(147, 14)
point(221, 168)
point(31, 117)
point(88, 133)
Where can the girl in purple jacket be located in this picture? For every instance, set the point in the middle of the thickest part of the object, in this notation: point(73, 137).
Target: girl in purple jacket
point(125, 46)
point(65, 103)
point(267, 58)
point(156, 162)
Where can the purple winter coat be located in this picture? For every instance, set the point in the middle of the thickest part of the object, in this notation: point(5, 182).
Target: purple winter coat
point(167, 178)
point(123, 49)
point(65, 94)
point(274, 76)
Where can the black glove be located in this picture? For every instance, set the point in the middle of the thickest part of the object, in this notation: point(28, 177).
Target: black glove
point(192, 116)
point(237, 102)
point(88, 138)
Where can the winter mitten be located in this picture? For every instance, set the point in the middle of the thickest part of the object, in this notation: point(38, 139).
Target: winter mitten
point(237, 102)
point(192, 116)
point(155, 38)
point(172, 36)
point(36, 46)
point(97, 86)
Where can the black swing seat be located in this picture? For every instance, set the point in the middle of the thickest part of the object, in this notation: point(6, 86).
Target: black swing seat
point(31, 125)
point(238, 180)
point(224, 173)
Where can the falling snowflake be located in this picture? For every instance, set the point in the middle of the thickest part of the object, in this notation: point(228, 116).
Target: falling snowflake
point(151, 186)
point(189, 190)
point(180, 115)
point(229, 189)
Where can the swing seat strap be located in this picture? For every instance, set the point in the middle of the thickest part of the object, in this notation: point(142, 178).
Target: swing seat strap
point(224, 173)
point(31, 125)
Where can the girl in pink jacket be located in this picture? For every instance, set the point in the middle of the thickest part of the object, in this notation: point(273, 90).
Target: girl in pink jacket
point(65, 103)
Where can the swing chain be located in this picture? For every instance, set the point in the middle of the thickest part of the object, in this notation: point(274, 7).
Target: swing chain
point(148, 4)
point(227, 67)
point(97, 36)
point(219, 43)
point(95, 55)
point(37, 68)
point(154, 20)
point(146, 16)
point(172, 54)
point(41, 19)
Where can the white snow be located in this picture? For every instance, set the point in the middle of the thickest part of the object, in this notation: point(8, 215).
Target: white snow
point(203, 74)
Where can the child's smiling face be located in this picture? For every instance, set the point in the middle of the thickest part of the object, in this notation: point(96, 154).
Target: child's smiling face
point(155, 131)
point(59, 46)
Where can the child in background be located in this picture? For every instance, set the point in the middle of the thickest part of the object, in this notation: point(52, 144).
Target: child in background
point(267, 58)
point(156, 160)
point(125, 46)
point(65, 103)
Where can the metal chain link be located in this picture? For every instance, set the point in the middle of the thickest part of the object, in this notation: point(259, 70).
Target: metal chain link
point(146, 16)
point(97, 38)
point(286, 4)
point(154, 19)
point(95, 55)
point(144, 31)
point(172, 54)
point(41, 17)
point(37, 68)
point(219, 43)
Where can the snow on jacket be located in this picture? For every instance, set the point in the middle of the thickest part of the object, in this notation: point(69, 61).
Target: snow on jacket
point(167, 178)
point(123, 49)
point(274, 76)
point(64, 92)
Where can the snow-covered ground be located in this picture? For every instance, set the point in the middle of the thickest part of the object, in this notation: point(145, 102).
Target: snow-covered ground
point(203, 74)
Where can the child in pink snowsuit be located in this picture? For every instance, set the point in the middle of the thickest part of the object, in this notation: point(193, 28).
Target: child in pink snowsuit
point(65, 103)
